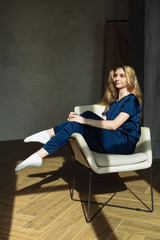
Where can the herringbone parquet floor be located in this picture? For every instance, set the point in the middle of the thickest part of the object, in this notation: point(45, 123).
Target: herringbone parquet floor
point(35, 202)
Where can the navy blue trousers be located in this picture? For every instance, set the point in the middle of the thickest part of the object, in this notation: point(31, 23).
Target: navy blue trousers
point(98, 140)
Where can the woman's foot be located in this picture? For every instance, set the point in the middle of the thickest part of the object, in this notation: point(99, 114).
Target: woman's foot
point(42, 137)
point(33, 160)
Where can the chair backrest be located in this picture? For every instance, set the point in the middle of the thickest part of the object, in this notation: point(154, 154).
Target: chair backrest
point(98, 109)
point(144, 143)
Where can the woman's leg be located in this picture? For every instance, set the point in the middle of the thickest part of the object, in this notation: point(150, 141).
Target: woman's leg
point(64, 131)
point(42, 137)
point(46, 135)
point(59, 140)
point(34, 160)
point(61, 135)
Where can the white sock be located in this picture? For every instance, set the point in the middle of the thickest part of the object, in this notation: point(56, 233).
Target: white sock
point(33, 160)
point(42, 137)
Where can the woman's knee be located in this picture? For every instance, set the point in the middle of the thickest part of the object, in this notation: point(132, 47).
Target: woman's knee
point(90, 114)
point(86, 113)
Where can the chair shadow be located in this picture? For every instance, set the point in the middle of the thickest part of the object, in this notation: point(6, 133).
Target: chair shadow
point(65, 172)
point(103, 185)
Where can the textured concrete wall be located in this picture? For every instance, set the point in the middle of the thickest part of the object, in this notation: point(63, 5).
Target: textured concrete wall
point(51, 59)
point(137, 38)
point(144, 57)
point(152, 73)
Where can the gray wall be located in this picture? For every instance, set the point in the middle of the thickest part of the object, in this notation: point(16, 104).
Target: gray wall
point(51, 59)
point(137, 38)
point(152, 73)
point(144, 57)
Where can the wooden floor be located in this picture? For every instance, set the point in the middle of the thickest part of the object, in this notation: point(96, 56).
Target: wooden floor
point(35, 202)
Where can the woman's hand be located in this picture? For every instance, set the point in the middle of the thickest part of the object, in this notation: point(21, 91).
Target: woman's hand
point(74, 117)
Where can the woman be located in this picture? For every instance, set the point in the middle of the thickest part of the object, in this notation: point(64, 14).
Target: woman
point(117, 131)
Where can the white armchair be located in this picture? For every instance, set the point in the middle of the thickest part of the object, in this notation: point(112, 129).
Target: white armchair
point(111, 163)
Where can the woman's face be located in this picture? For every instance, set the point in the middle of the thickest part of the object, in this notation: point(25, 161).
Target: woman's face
point(119, 79)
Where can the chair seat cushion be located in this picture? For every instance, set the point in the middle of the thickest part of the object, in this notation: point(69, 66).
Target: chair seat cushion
point(107, 160)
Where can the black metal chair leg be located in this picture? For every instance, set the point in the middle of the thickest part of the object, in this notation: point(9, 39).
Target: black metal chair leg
point(89, 197)
point(152, 203)
point(74, 179)
point(116, 183)
point(138, 209)
point(88, 217)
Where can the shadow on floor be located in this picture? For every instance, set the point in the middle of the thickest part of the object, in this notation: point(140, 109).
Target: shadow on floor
point(13, 151)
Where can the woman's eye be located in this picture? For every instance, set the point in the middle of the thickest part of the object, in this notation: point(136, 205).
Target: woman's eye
point(120, 75)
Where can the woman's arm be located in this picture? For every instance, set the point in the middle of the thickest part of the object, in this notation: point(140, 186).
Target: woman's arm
point(104, 124)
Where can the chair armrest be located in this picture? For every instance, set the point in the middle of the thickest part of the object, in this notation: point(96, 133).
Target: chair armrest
point(78, 138)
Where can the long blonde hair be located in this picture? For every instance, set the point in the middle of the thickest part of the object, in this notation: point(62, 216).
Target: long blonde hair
point(111, 93)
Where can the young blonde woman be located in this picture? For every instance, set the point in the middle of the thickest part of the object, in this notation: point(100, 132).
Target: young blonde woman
point(117, 131)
